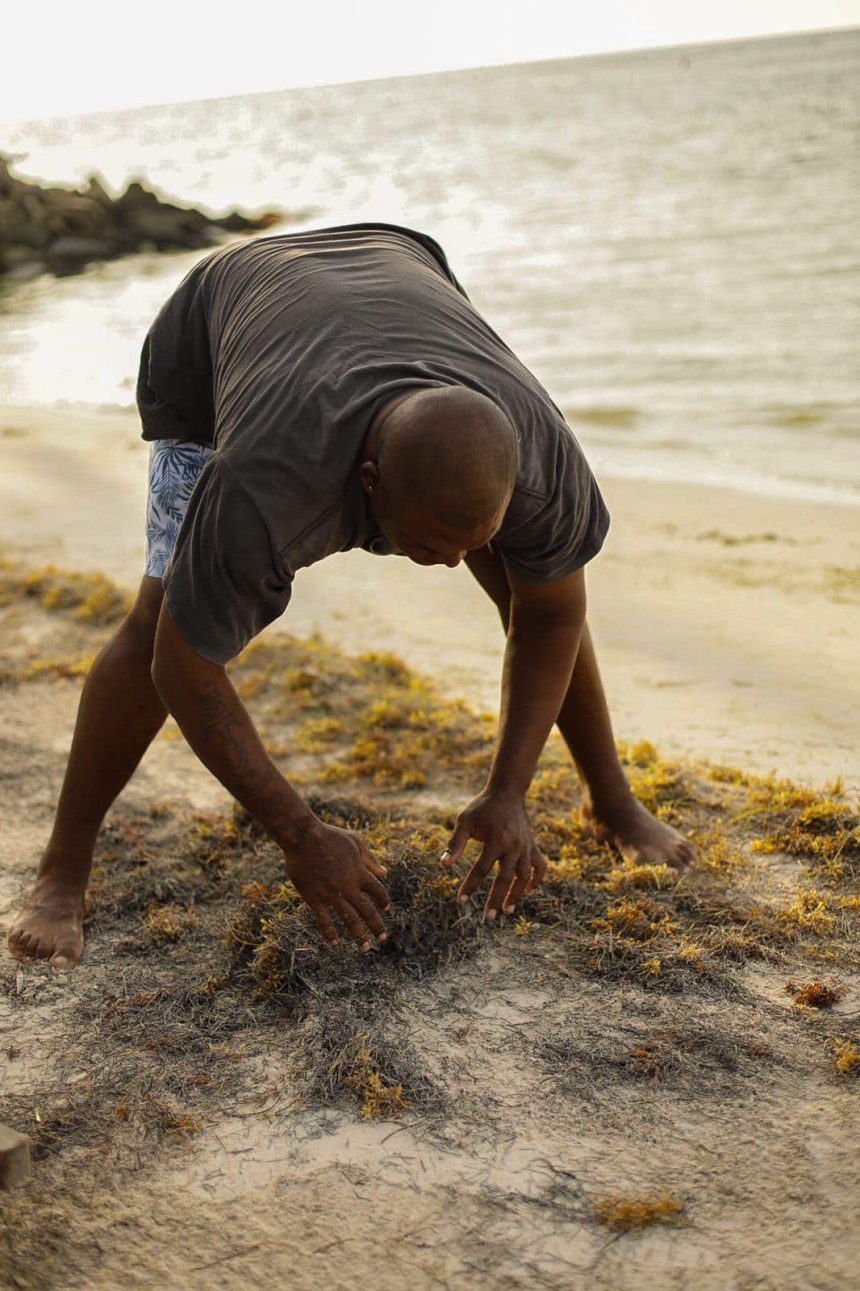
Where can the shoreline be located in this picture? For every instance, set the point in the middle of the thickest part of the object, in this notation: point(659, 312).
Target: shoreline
point(725, 623)
point(646, 465)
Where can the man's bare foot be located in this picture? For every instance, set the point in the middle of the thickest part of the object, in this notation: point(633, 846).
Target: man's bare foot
point(51, 925)
point(631, 827)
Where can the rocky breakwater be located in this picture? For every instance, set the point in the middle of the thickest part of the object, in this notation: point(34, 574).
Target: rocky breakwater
point(63, 229)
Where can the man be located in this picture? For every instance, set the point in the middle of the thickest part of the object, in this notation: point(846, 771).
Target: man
point(308, 394)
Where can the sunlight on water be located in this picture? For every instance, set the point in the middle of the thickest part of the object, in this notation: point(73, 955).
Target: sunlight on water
point(667, 240)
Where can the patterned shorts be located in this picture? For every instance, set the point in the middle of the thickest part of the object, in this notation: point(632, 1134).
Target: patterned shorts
point(174, 467)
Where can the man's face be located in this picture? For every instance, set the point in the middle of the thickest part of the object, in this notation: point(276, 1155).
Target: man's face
point(423, 538)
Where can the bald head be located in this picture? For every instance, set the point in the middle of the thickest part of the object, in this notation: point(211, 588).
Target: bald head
point(451, 452)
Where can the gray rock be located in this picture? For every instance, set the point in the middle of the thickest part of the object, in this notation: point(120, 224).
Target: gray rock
point(15, 254)
point(66, 229)
point(97, 192)
point(66, 254)
point(80, 215)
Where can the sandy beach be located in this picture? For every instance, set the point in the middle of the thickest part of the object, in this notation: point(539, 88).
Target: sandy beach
point(643, 1078)
point(726, 623)
point(626, 1086)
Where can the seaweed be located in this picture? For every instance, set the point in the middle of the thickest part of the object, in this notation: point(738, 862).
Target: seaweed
point(200, 948)
point(624, 1214)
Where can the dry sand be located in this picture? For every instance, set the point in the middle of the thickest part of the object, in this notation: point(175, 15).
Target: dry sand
point(728, 628)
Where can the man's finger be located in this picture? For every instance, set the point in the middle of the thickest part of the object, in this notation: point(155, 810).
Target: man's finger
point(371, 863)
point(477, 873)
point(456, 844)
point(519, 885)
point(501, 884)
point(377, 893)
point(353, 923)
point(326, 925)
point(540, 866)
point(370, 915)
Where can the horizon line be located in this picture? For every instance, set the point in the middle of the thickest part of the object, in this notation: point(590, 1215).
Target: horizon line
point(591, 55)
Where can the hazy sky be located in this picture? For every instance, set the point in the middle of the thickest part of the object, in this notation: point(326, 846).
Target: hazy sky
point(100, 54)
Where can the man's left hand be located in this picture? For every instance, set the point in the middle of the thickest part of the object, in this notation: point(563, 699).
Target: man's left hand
point(498, 819)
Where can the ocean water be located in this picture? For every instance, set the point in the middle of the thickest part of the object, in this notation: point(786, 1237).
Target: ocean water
point(669, 239)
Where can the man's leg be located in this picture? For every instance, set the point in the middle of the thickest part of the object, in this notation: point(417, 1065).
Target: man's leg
point(585, 725)
point(118, 717)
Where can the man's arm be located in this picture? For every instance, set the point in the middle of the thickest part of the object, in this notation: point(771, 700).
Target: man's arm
point(331, 867)
point(546, 623)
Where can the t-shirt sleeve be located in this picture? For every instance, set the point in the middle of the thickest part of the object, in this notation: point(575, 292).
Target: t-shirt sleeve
point(224, 583)
point(174, 381)
point(561, 532)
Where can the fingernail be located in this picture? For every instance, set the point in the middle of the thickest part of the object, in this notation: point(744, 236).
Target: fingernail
point(509, 909)
point(445, 854)
point(463, 897)
point(383, 936)
point(491, 914)
point(60, 962)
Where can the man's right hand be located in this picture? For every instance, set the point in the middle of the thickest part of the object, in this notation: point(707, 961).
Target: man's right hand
point(336, 874)
point(332, 868)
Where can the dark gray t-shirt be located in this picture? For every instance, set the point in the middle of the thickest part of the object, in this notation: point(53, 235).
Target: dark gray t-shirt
point(279, 352)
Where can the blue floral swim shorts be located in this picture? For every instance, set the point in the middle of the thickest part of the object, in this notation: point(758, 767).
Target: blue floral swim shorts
point(174, 468)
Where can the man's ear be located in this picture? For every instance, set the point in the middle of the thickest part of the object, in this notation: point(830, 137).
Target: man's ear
point(369, 476)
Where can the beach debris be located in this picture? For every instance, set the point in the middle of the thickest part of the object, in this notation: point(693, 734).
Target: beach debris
point(846, 1057)
point(63, 229)
point(816, 995)
point(377, 1097)
point(14, 1158)
point(625, 1213)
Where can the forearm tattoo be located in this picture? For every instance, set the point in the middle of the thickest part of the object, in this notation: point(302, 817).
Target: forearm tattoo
point(233, 751)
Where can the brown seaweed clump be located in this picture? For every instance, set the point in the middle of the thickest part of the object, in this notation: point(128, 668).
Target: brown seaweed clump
point(846, 1056)
point(63, 649)
point(275, 949)
point(625, 1214)
point(367, 720)
point(822, 830)
point(87, 598)
point(815, 995)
